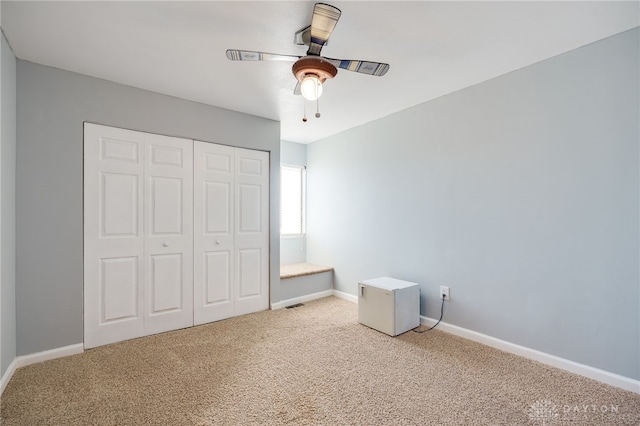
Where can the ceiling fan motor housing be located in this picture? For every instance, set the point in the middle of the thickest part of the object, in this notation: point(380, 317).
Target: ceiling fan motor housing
point(313, 65)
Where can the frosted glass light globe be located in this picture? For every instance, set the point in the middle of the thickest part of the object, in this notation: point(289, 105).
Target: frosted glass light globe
point(311, 87)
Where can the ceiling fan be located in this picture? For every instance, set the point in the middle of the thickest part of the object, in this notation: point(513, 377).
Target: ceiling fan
point(313, 70)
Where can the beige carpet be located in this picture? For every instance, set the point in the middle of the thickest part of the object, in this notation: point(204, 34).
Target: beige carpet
point(310, 365)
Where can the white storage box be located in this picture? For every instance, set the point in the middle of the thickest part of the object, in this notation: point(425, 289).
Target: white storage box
point(389, 305)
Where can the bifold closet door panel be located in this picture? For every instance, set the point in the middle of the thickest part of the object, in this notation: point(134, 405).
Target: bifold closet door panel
point(138, 234)
point(252, 231)
point(113, 235)
point(168, 224)
point(231, 231)
point(214, 169)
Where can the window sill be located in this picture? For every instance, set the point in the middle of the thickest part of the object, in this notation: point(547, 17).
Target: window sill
point(302, 269)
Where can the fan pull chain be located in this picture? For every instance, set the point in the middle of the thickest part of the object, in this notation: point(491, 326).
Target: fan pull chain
point(304, 117)
point(318, 108)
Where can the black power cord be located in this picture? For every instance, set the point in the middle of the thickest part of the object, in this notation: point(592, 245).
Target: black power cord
point(434, 326)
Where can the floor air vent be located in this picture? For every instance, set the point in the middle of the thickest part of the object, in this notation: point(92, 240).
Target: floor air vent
point(294, 306)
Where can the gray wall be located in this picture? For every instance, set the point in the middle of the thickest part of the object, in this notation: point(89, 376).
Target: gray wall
point(8, 206)
point(52, 105)
point(293, 153)
point(293, 249)
point(305, 285)
point(520, 193)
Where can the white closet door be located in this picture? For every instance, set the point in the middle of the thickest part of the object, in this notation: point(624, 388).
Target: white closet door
point(168, 233)
point(213, 232)
point(252, 231)
point(113, 235)
point(138, 233)
point(231, 232)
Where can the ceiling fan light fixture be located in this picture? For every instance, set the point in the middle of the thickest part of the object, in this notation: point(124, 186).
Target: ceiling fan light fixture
point(311, 72)
point(311, 87)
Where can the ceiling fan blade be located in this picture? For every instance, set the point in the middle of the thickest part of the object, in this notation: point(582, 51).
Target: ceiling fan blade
point(298, 89)
point(248, 55)
point(363, 67)
point(325, 18)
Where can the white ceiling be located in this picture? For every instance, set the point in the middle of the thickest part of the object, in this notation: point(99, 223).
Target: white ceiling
point(178, 48)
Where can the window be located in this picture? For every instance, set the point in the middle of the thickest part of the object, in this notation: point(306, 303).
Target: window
point(292, 200)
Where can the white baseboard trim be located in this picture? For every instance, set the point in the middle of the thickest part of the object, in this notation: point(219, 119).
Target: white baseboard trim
point(8, 375)
point(607, 377)
point(345, 296)
point(24, 360)
point(301, 299)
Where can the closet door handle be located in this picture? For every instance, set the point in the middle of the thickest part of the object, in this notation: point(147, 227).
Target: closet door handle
point(217, 242)
point(165, 244)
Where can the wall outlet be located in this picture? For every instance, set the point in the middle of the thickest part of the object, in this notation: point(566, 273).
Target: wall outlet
point(444, 291)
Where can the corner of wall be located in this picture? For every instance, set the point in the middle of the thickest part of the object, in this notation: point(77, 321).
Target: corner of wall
point(7, 206)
